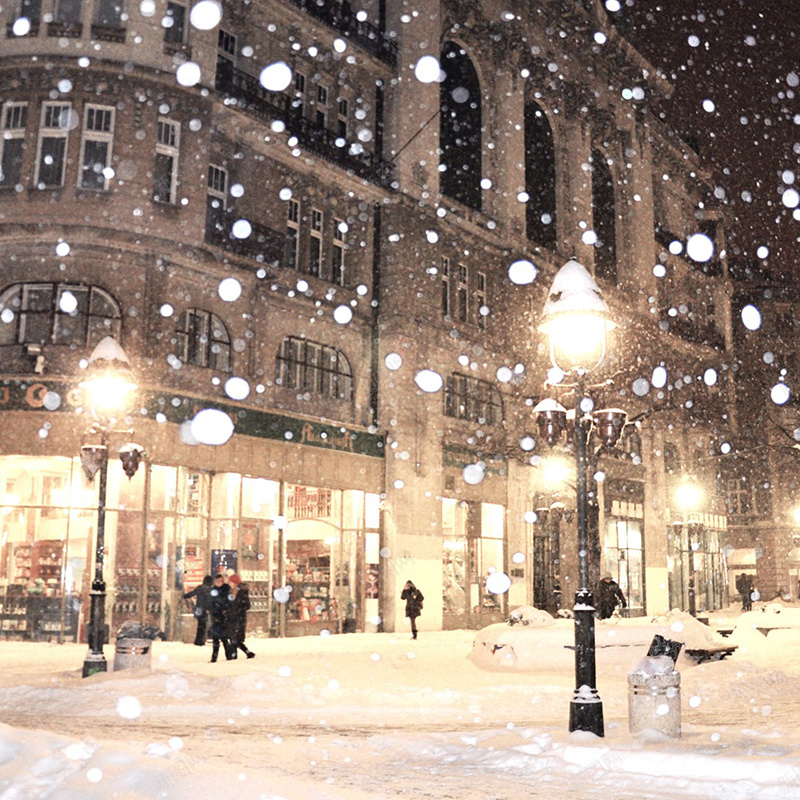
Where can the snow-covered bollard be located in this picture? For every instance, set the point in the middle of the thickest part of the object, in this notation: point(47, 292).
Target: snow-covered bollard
point(654, 696)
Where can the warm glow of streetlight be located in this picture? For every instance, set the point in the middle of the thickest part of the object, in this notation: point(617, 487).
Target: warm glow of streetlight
point(688, 496)
point(109, 378)
point(576, 320)
point(555, 473)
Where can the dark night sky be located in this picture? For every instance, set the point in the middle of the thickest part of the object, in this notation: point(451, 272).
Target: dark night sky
point(746, 60)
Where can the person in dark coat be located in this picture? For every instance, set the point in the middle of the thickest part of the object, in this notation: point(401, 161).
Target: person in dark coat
point(202, 601)
point(218, 611)
point(413, 598)
point(239, 598)
point(608, 596)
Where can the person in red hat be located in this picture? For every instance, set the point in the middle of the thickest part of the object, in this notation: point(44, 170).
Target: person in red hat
point(239, 597)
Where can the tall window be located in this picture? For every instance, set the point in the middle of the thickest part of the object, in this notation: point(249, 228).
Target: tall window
point(540, 177)
point(293, 235)
point(203, 340)
point(12, 142)
point(226, 58)
point(462, 293)
point(341, 120)
point(53, 131)
point(460, 128)
point(109, 13)
point(313, 367)
point(321, 107)
point(299, 97)
point(217, 186)
point(216, 195)
point(604, 217)
point(58, 313)
point(472, 399)
point(165, 172)
point(446, 304)
point(175, 23)
point(68, 11)
point(31, 9)
point(480, 300)
point(315, 243)
point(98, 136)
point(337, 262)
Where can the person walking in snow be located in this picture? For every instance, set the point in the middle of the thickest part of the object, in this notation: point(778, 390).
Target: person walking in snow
point(202, 601)
point(413, 598)
point(608, 596)
point(218, 611)
point(239, 599)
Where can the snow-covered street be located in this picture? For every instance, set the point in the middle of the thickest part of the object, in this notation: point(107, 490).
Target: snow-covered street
point(381, 716)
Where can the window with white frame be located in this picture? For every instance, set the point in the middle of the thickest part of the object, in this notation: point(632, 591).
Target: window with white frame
point(98, 137)
point(315, 243)
point(203, 340)
point(480, 300)
point(293, 235)
point(52, 151)
point(462, 293)
point(337, 261)
point(12, 142)
point(217, 186)
point(165, 173)
point(445, 272)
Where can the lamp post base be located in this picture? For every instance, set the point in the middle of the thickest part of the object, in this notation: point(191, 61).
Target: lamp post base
point(94, 663)
point(586, 712)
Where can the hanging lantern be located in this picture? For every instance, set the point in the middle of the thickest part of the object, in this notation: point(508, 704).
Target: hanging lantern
point(131, 456)
point(551, 417)
point(92, 458)
point(609, 423)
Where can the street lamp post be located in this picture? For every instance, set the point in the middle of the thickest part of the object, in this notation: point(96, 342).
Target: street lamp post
point(576, 320)
point(107, 382)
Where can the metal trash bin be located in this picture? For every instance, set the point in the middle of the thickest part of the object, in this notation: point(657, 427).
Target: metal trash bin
point(654, 696)
point(134, 645)
point(131, 653)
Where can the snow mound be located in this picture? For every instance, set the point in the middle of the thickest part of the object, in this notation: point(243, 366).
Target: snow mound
point(528, 615)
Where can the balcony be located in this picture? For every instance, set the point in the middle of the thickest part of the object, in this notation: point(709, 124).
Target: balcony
point(251, 96)
point(340, 17)
point(264, 244)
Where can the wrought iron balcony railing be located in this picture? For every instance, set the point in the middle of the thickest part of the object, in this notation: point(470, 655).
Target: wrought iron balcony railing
point(252, 97)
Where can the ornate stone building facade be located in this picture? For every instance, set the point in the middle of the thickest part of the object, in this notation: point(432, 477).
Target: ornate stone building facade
point(306, 215)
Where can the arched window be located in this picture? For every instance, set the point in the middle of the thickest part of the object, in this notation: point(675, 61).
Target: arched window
point(460, 128)
point(315, 368)
point(540, 177)
point(57, 313)
point(605, 216)
point(203, 340)
point(472, 399)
